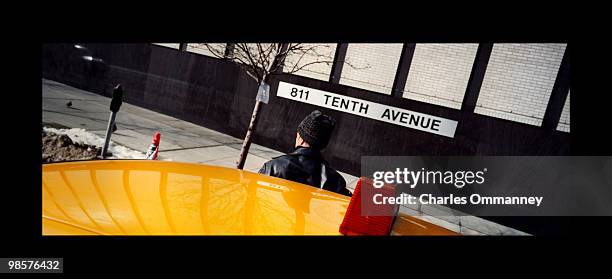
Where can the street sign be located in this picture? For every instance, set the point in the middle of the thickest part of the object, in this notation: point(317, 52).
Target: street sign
point(263, 93)
point(398, 116)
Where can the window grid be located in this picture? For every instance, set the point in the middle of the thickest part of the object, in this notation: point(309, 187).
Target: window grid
point(519, 80)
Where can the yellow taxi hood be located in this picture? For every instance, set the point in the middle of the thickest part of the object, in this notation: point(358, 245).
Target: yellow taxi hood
point(146, 197)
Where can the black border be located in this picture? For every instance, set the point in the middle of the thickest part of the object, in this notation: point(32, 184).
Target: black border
point(304, 256)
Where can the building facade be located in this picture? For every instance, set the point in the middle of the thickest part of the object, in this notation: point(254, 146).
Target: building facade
point(507, 99)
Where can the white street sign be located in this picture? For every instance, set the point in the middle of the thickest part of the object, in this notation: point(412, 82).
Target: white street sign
point(376, 111)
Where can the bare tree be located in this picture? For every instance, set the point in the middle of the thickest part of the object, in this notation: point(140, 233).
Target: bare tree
point(261, 61)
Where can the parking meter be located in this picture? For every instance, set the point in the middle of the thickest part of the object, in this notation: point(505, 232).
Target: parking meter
point(114, 108)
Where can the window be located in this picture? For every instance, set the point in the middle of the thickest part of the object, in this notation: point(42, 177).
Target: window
point(376, 65)
point(312, 69)
point(201, 48)
point(564, 121)
point(439, 73)
point(168, 45)
point(519, 80)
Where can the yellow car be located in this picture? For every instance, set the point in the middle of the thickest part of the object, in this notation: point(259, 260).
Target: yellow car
point(147, 197)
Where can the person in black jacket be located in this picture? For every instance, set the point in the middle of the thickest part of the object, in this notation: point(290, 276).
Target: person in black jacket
point(306, 164)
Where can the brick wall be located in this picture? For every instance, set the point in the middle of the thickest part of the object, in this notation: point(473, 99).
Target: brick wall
point(519, 80)
point(377, 65)
point(316, 53)
point(439, 73)
point(564, 121)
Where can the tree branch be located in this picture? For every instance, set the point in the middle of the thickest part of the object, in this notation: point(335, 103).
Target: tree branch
point(279, 59)
point(294, 69)
point(245, 49)
point(215, 52)
point(305, 51)
point(261, 61)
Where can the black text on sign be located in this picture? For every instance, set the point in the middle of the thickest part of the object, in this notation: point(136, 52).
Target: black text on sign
point(402, 117)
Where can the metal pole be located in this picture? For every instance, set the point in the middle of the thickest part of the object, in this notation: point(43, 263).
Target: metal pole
point(114, 108)
point(109, 131)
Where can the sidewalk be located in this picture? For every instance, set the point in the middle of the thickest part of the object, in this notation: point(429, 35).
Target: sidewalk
point(180, 140)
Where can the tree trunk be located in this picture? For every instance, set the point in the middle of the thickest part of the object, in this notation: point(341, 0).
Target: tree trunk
point(246, 144)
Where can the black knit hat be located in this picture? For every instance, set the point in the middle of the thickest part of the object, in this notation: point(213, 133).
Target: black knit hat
point(316, 129)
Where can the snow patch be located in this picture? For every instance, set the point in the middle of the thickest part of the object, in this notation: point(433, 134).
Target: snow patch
point(82, 136)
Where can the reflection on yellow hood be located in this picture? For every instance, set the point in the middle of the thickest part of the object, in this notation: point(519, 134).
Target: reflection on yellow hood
point(144, 197)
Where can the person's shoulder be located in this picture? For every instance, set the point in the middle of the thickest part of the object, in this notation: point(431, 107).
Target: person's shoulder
point(282, 160)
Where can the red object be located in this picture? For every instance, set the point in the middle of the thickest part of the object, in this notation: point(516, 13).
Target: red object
point(156, 138)
point(356, 224)
point(154, 147)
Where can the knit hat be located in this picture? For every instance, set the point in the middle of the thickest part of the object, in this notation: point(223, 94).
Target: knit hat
point(316, 129)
